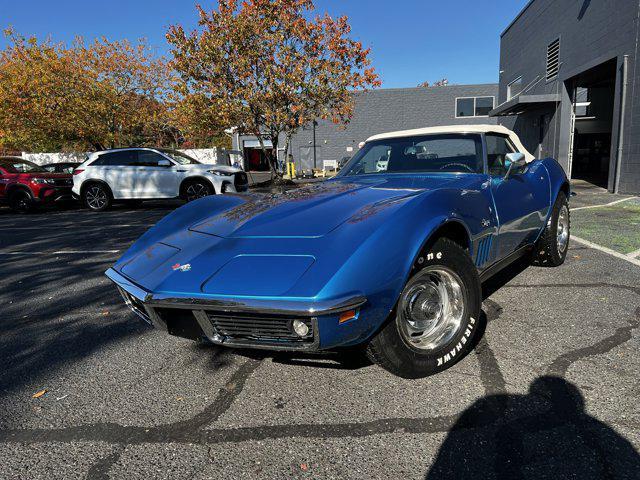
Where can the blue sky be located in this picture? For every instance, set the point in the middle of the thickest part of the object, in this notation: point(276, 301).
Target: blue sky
point(411, 40)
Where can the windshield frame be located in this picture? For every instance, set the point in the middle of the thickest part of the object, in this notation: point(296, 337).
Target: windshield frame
point(175, 155)
point(361, 152)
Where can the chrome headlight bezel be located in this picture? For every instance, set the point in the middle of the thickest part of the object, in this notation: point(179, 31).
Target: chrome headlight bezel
point(44, 181)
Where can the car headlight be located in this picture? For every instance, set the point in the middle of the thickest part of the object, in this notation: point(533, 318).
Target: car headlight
point(49, 181)
point(220, 174)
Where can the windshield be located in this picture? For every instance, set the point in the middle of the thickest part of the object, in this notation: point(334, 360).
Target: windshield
point(458, 153)
point(181, 158)
point(21, 166)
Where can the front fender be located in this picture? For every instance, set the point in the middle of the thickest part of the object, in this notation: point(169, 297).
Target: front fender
point(382, 263)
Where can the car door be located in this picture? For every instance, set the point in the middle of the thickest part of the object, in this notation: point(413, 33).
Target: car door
point(118, 170)
point(521, 199)
point(156, 176)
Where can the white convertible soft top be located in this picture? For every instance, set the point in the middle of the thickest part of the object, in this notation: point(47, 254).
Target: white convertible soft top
point(459, 129)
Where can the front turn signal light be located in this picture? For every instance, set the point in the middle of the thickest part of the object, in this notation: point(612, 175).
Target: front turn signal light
point(348, 315)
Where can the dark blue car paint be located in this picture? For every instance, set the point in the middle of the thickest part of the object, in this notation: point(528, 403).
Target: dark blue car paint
point(346, 237)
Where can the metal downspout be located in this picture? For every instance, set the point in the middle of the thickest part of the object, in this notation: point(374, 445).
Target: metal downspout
point(623, 104)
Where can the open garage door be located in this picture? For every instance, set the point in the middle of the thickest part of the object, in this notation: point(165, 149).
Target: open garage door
point(593, 95)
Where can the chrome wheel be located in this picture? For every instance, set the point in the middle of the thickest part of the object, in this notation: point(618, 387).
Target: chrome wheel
point(96, 197)
point(562, 231)
point(431, 309)
point(196, 190)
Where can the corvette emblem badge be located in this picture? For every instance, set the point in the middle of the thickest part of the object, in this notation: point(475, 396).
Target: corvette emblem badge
point(182, 268)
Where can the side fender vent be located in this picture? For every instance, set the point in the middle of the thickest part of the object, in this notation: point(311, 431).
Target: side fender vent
point(484, 250)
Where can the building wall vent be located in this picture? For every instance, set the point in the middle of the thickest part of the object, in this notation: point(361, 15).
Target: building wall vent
point(553, 59)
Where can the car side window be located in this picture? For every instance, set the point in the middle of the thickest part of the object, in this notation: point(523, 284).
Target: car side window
point(498, 147)
point(147, 158)
point(123, 158)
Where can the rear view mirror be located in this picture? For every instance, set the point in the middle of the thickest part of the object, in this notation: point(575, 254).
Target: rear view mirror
point(514, 161)
point(164, 163)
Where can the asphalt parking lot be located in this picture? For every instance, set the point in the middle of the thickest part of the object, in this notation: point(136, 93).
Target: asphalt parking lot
point(551, 391)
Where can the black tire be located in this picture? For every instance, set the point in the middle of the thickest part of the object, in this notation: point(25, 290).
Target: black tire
point(552, 246)
point(20, 201)
point(97, 197)
point(396, 347)
point(196, 189)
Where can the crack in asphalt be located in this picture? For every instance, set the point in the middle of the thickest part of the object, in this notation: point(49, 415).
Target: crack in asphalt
point(191, 431)
point(561, 365)
point(629, 288)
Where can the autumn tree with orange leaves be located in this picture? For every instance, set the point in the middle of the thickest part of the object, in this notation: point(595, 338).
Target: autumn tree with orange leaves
point(266, 68)
point(105, 94)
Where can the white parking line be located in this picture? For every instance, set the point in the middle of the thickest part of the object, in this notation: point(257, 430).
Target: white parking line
point(606, 250)
point(634, 254)
point(62, 252)
point(604, 204)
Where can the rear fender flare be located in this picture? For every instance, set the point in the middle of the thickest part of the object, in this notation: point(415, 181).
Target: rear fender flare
point(88, 182)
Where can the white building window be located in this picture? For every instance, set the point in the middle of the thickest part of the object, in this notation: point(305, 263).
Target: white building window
point(474, 106)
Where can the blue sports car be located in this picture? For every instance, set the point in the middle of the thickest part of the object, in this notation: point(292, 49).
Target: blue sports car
point(390, 254)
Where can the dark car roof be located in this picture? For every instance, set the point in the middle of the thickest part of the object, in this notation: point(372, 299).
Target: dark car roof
point(9, 159)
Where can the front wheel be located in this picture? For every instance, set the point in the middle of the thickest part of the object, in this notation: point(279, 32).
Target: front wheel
point(552, 246)
point(436, 319)
point(20, 201)
point(197, 189)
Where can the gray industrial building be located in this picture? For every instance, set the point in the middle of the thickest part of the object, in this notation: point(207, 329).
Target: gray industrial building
point(568, 80)
point(379, 111)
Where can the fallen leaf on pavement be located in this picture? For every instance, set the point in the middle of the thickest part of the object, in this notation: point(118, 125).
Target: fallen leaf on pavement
point(39, 394)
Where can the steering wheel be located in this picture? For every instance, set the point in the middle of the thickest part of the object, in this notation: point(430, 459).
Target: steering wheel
point(458, 165)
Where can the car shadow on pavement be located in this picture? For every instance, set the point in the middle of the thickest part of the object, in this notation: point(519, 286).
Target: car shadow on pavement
point(344, 359)
point(544, 434)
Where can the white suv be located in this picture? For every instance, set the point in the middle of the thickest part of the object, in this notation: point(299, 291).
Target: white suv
point(150, 173)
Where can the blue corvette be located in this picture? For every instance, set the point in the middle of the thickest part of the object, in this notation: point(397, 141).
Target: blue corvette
point(390, 254)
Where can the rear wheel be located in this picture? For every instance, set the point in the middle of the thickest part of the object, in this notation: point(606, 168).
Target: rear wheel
point(195, 189)
point(97, 197)
point(20, 201)
point(552, 246)
point(436, 318)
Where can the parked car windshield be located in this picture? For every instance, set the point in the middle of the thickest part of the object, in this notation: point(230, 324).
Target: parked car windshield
point(21, 166)
point(181, 158)
point(457, 153)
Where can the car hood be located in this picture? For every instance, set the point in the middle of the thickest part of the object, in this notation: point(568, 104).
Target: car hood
point(313, 210)
point(230, 245)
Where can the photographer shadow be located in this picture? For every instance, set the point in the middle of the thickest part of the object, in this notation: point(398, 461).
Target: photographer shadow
point(544, 434)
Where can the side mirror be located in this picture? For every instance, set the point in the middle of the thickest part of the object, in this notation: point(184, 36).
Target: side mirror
point(513, 161)
point(164, 163)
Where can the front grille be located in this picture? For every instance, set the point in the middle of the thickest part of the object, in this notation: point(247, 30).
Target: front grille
point(266, 328)
point(240, 181)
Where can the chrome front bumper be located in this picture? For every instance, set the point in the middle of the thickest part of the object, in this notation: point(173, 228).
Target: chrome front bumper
point(149, 306)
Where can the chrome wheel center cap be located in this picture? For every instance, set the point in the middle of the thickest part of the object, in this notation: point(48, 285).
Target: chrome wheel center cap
point(424, 307)
point(432, 309)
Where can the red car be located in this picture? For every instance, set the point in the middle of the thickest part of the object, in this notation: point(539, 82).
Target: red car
point(25, 185)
